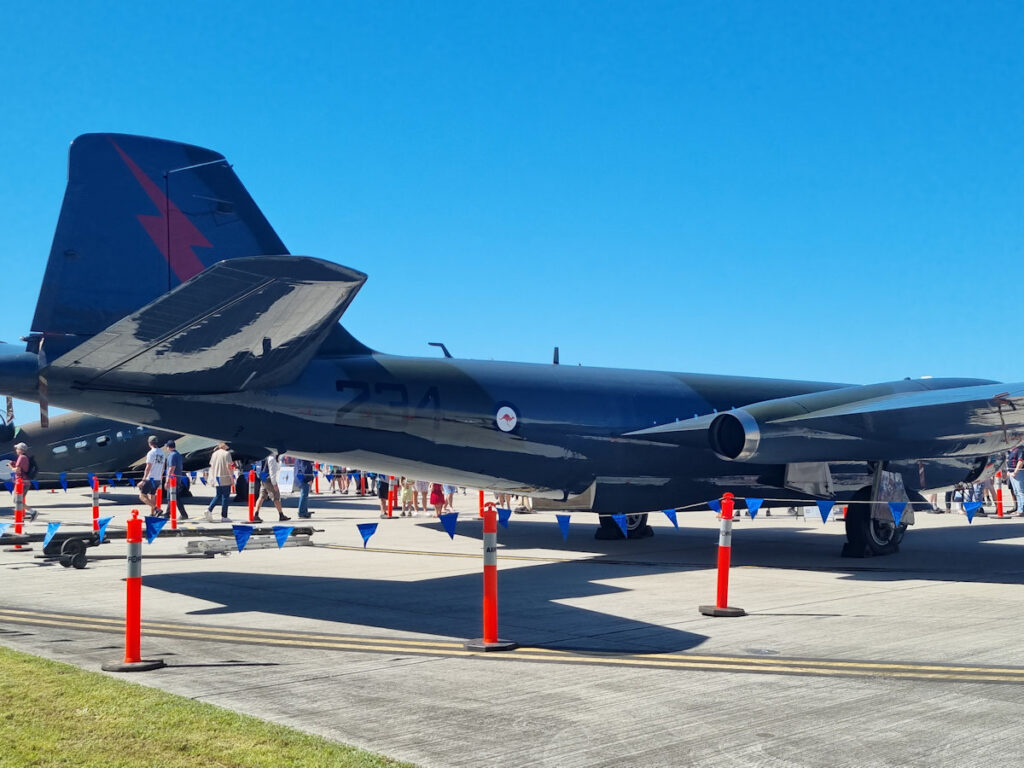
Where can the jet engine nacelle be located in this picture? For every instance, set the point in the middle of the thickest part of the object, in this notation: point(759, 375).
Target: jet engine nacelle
point(863, 423)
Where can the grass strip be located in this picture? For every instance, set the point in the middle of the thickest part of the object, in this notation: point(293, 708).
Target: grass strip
point(54, 714)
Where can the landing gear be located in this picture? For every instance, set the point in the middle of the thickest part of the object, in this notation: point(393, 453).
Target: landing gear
point(636, 528)
point(866, 536)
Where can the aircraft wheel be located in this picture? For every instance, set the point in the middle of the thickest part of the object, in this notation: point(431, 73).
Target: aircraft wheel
point(65, 561)
point(636, 528)
point(865, 536)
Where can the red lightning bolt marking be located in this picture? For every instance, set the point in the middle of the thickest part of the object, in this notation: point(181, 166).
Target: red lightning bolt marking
point(183, 233)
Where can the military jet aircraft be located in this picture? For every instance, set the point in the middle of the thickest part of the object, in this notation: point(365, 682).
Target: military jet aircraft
point(200, 321)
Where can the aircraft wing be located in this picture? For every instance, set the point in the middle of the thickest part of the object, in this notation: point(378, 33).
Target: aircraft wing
point(245, 323)
point(901, 420)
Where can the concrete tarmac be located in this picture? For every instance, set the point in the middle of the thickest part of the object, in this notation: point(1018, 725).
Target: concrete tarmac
point(909, 660)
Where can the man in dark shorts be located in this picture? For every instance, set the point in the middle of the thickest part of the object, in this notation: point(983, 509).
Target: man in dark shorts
point(382, 493)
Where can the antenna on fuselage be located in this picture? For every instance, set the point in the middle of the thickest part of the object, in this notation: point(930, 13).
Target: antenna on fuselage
point(442, 346)
point(555, 360)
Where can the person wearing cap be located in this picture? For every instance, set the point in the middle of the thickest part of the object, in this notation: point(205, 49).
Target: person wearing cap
point(175, 469)
point(221, 476)
point(20, 467)
point(153, 476)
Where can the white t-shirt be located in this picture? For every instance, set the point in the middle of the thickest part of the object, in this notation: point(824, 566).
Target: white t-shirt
point(155, 461)
point(273, 467)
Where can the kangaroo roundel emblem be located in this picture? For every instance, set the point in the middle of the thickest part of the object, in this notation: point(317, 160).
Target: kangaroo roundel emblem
point(506, 419)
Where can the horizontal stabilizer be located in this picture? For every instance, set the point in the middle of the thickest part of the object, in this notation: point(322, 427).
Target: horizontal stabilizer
point(247, 323)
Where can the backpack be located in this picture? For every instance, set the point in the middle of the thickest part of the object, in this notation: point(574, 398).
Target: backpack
point(33, 468)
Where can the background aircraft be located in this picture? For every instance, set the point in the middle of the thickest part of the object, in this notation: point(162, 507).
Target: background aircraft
point(78, 445)
point(191, 331)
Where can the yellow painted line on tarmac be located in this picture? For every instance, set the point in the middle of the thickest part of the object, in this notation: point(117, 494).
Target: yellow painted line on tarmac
point(681, 661)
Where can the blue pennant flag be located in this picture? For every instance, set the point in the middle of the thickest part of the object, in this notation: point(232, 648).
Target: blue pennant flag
point(366, 530)
point(132, 481)
point(51, 528)
point(102, 523)
point(119, 475)
point(753, 506)
point(91, 476)
point(897, 507)
point(35, 485)
point(503, 516)
point(4, 527)
point(563, 523)
point(716, 505)
point(203, 480)
point(282, 532)
point(671, 515)
point(330, 478)
point(9, 486)
point(448, 521)
point(153, 527)
point(64, 481)
point(825, 507)
point(620, 520)
point(970, 508)
point(242, 534)
point(193, 476)
point(263, 476)
point(300, 477)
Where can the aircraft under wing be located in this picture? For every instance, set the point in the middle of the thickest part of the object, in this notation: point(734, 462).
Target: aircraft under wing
point(244, 323)
point(901, 420)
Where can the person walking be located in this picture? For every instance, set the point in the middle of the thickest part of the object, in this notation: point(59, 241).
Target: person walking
point(437, 498)
point(220, 475)
point(383, 489)
point(152, 476)
point(1015, 468)
point(304, 476)
point(22, 467)
point(269, 489)
point(175, 470)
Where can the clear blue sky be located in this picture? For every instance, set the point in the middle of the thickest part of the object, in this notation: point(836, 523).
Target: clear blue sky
point(808, 190)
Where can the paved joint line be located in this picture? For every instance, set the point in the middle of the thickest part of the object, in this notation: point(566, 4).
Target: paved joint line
point(682, 661)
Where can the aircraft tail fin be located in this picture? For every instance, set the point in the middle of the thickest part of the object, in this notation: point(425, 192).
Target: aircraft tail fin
point(140, 217)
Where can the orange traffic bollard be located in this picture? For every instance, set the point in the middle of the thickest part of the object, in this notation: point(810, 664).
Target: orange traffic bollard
point(999, 494)
point(133, 607)
point(481, 503)
point(391, 495)
point(490, 641)
point(252, 494)
point(172, 502)
point(316, 477)
point(95, 503)
point(19, 514)
point(721, 606)
point(159, 500)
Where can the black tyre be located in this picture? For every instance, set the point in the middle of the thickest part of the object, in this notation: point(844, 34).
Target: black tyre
point(636, 527)
point(866, 536)
point(73, 552)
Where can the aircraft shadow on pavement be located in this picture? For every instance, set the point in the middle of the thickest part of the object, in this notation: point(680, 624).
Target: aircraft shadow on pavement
point(984, 551)
point(448, 606)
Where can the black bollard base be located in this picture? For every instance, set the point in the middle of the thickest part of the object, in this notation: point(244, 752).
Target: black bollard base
point(714, 610)
point(22, 548)
point(145, 665)
point(480, 645)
